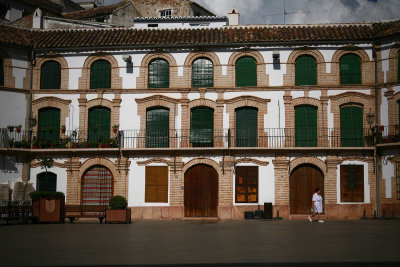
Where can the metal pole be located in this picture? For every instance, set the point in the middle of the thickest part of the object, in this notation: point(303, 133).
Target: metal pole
point(30, 109)
point(376, 130)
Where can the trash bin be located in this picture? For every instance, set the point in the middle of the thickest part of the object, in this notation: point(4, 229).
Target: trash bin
point(249, 215)
point(267, 210)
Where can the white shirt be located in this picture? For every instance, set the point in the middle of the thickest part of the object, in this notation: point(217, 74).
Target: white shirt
point(317, 199)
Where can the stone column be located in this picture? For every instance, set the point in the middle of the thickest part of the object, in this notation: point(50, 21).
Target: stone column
point(225, 189)
point(185, 131)
point(289, 120)
point(281, 167)
point(74, 183)
point(323, 121)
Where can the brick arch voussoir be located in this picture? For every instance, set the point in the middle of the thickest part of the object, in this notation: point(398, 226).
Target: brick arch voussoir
point(89, 163)
point(300, 101)
point(350, 50)
point(202, 102)
point(305, 51)
point(152, 56)
point(154, 160)
point(320, 164)
point(196, 55)
point(251, 53)
point(205, 161)
point(98, 56)
point(99, 102)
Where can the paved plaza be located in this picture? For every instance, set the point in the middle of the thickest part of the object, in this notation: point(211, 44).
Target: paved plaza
point(201, 242)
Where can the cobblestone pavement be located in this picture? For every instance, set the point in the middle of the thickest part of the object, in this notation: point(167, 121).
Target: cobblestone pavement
point(201, 242)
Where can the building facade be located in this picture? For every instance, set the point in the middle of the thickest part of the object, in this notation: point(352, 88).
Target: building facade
point(207, 122)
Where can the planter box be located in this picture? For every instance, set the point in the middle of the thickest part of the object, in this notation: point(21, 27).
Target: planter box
point(49, 210)
point(118, 216)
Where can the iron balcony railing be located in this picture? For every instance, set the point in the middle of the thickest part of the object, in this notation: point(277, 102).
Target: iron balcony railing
point(190, 138)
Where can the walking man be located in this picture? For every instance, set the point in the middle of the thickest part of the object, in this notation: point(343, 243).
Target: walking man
point(316, 206)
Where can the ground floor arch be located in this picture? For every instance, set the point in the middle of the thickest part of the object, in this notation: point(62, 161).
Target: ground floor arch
point(97, 186)
point(304, 179)
point(201, 191)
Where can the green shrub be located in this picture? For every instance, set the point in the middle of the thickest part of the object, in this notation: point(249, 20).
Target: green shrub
point(47, 195)
point(118, 203)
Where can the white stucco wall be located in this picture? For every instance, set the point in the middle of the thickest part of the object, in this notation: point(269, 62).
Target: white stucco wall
point(61, 177)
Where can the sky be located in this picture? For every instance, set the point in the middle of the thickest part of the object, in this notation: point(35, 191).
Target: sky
point(309, 11)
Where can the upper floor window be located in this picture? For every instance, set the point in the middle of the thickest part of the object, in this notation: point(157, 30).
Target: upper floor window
point(100, 74)
point(202, 126)
point(49, 126)
point(46, 181)
point(166, 13)
point(1, 71)
point(157, 127)
point(50, 75)
point(306, 70)
point(99, 126)
point(246, 72)
point(246, 127)
point(351, 126)
point(306, 126)
point(202, 73)
point(350, 69)
point(159, 74)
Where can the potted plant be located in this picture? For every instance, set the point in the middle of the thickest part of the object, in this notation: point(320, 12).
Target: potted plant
point(117, 211)
point(10, 128)
point(48, 207)
point(18, 128)
point(63, 129)
point(115, 128)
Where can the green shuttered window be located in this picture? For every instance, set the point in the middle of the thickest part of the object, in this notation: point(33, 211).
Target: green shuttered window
point(49, 126)
point(99, 125)
point(201, 127)
point(159, 74)
point(306, 126)
point(246, 127)
point(351, 126)
point(157, 127)
point(100, 74)
point(306, 70)
point(1, 72)
point(350, 69)
point(46, 181)
point(50, 75)
point(246, 72)
point(202, 73)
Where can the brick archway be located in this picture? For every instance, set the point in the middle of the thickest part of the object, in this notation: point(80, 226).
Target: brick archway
point(53, 102)
point(37, 70)
point(320, 164)
point(205, 161)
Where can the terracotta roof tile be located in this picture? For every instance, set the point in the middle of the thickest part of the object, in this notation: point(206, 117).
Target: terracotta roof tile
point(94, 12)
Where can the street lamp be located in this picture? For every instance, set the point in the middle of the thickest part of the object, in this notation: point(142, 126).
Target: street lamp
point(370, 119)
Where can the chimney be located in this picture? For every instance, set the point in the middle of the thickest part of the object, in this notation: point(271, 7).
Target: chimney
point(37, 19)
point(233, 17)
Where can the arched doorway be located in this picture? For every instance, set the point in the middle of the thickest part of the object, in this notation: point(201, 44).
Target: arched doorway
point(97, 186)
point(303, 181)
point(201, 191)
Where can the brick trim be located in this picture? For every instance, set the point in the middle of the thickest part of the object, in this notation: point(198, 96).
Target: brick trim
point(9, 79)
point(391, 76)
point(250, 160)
point(262, 76)
point(38, 69)
point(367, 66)
point(202, 160)
point(142, 81)
point(54, 102)
point(153, 160)
point(290, 77)
point(116, 79)
point(308, 160)
point(393, 106)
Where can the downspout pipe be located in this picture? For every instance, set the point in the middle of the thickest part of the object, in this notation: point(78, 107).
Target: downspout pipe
point(376, 128)
point(32, 59)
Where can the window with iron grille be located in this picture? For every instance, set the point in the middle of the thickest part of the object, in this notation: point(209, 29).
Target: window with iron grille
point(50, 75)
point(246, 72)
point(351, 183)
point(159, 74)
point(166, 13)
point(202, 73)
point(100, 74)
point(1, 72)
point(246, 184)
point(306, 70)
point(46, 181)
point(350, 69)
point(157, 127)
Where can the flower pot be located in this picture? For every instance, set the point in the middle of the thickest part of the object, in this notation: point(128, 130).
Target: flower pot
point(115, 130)
point(118, 216)
point(75, 145)
point(51, 146)
point(18, 130)
point(99, 145)
point(11, 129)
point(49, 210)
point(63, 130)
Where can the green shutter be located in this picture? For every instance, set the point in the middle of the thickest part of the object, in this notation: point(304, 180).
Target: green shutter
point(100, 74)
point(306, 126)
point(350, 69)
point(246, 127)
point(1, 72)
point(306, 70)
point(157, 127)
point(351, 126)
point(99, 126)
point(50, 75)
point(159, 74)
point(246, 72)
point(46, 181)
point(202, 127)
point(49, 126)
point(202, 73)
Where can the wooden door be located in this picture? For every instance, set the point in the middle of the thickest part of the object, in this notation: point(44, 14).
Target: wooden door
point(201, 191)
point(303, 181)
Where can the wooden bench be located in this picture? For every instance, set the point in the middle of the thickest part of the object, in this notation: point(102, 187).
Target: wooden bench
point(77, 211)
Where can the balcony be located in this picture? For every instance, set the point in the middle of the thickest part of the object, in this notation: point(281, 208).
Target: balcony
point(267, 138)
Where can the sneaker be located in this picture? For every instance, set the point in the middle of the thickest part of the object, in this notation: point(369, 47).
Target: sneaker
point(309, 218)
point(321, 221)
